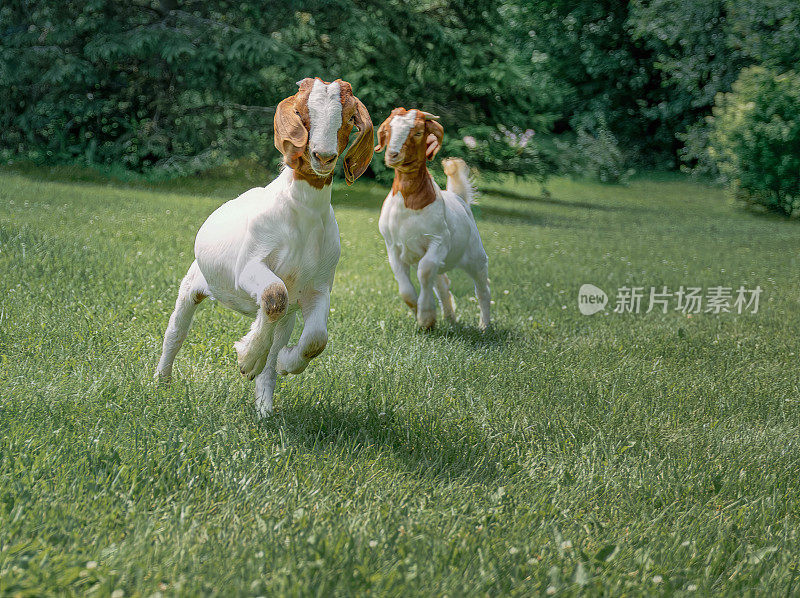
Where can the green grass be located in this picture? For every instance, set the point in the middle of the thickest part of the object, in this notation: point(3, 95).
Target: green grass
point(612, 454)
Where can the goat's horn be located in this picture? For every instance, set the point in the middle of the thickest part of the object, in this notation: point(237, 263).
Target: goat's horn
point(428, 115)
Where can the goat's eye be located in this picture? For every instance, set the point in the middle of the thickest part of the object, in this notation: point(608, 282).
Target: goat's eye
point(418, 134)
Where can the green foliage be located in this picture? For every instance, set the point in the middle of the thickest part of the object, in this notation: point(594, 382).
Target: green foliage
point(168, 87)
point(699, 49)
point(755, 139)
point(605, 75)
point(650, 69)
point(693, 57)
point(184, 86)
point(598, 155)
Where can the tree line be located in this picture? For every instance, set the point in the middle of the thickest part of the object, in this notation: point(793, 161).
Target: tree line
point(526, 87)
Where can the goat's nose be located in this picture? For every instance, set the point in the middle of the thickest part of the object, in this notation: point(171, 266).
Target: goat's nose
point(391, 155)
point(324, 158)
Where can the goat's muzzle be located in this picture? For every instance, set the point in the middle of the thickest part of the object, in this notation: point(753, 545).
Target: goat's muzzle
point(393, 159)
point(323, 162)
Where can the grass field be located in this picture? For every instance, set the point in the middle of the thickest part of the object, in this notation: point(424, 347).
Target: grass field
point(557, 454)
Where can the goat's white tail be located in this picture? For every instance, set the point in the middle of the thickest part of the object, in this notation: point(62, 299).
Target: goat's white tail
point(458, 179)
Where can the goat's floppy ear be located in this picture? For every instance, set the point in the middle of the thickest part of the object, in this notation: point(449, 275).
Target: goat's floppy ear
point(433, 127)
point(383, 134)
point(359, 155)
point(291, 136)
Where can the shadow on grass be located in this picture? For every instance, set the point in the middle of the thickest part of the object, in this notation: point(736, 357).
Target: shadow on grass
point(427, 444)
point(553, 201)
point(472, 336)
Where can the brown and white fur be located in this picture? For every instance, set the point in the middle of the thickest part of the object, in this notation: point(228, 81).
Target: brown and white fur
point(426, 227)
point(273, 250)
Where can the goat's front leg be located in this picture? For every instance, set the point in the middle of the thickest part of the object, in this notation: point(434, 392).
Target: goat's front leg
point(270, 293)
point(404, 284)
point(427, 272)
point(315, 307)
point(266, 380)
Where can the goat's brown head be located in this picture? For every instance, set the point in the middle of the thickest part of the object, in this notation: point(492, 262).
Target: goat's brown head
point(405, 135)
point(313, 126)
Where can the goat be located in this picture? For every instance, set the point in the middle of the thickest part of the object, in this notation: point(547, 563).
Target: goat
point(425, 226)
point(274, 249)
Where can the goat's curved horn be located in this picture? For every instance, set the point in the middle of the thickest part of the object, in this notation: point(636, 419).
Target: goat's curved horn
point(428, 115)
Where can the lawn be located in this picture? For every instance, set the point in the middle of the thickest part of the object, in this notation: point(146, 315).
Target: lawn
point(556, 454)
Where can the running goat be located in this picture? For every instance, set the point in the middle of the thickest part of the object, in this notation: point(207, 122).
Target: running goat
point(424, 226)
point(274, 249)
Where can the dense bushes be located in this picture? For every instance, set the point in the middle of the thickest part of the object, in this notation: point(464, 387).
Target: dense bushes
point(755, 139)
point(183, 85)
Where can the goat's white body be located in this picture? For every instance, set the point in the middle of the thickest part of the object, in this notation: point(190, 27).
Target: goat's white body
point(284, 238)
point(435, 239)
point(287, 225)
point(447, 224)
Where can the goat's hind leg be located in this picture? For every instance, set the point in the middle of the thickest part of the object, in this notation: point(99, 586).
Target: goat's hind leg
point(192, 291)
point(479, 272)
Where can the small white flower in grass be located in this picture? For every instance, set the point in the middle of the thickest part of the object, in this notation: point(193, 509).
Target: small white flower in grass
point(566, 544)
point(685, 543)
point(513, 550)
point(118, 593)
point(691, 587)
point(470, 142)
point(505, 292)
point(657, 579)
point(550, 590)
point(373, 543)
point(91, 565)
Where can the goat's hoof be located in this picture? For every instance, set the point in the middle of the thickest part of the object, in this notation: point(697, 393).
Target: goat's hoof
point(250, 362)
point(426, 323)
point(263, 409)
point(163, 378)
point(274, 301)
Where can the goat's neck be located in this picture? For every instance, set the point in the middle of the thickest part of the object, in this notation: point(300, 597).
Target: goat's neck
point(415, 185)
point(309, 196)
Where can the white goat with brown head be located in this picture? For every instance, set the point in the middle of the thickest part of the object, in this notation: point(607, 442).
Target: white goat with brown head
point(273, 250)
point(424, 226)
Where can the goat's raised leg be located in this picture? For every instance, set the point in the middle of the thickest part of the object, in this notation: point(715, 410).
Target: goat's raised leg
point(192, 291)
point(427, 273)
point(315, 307)
point(266, 380)
point(270, 293)
point(404, 284)
point(446, 297)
